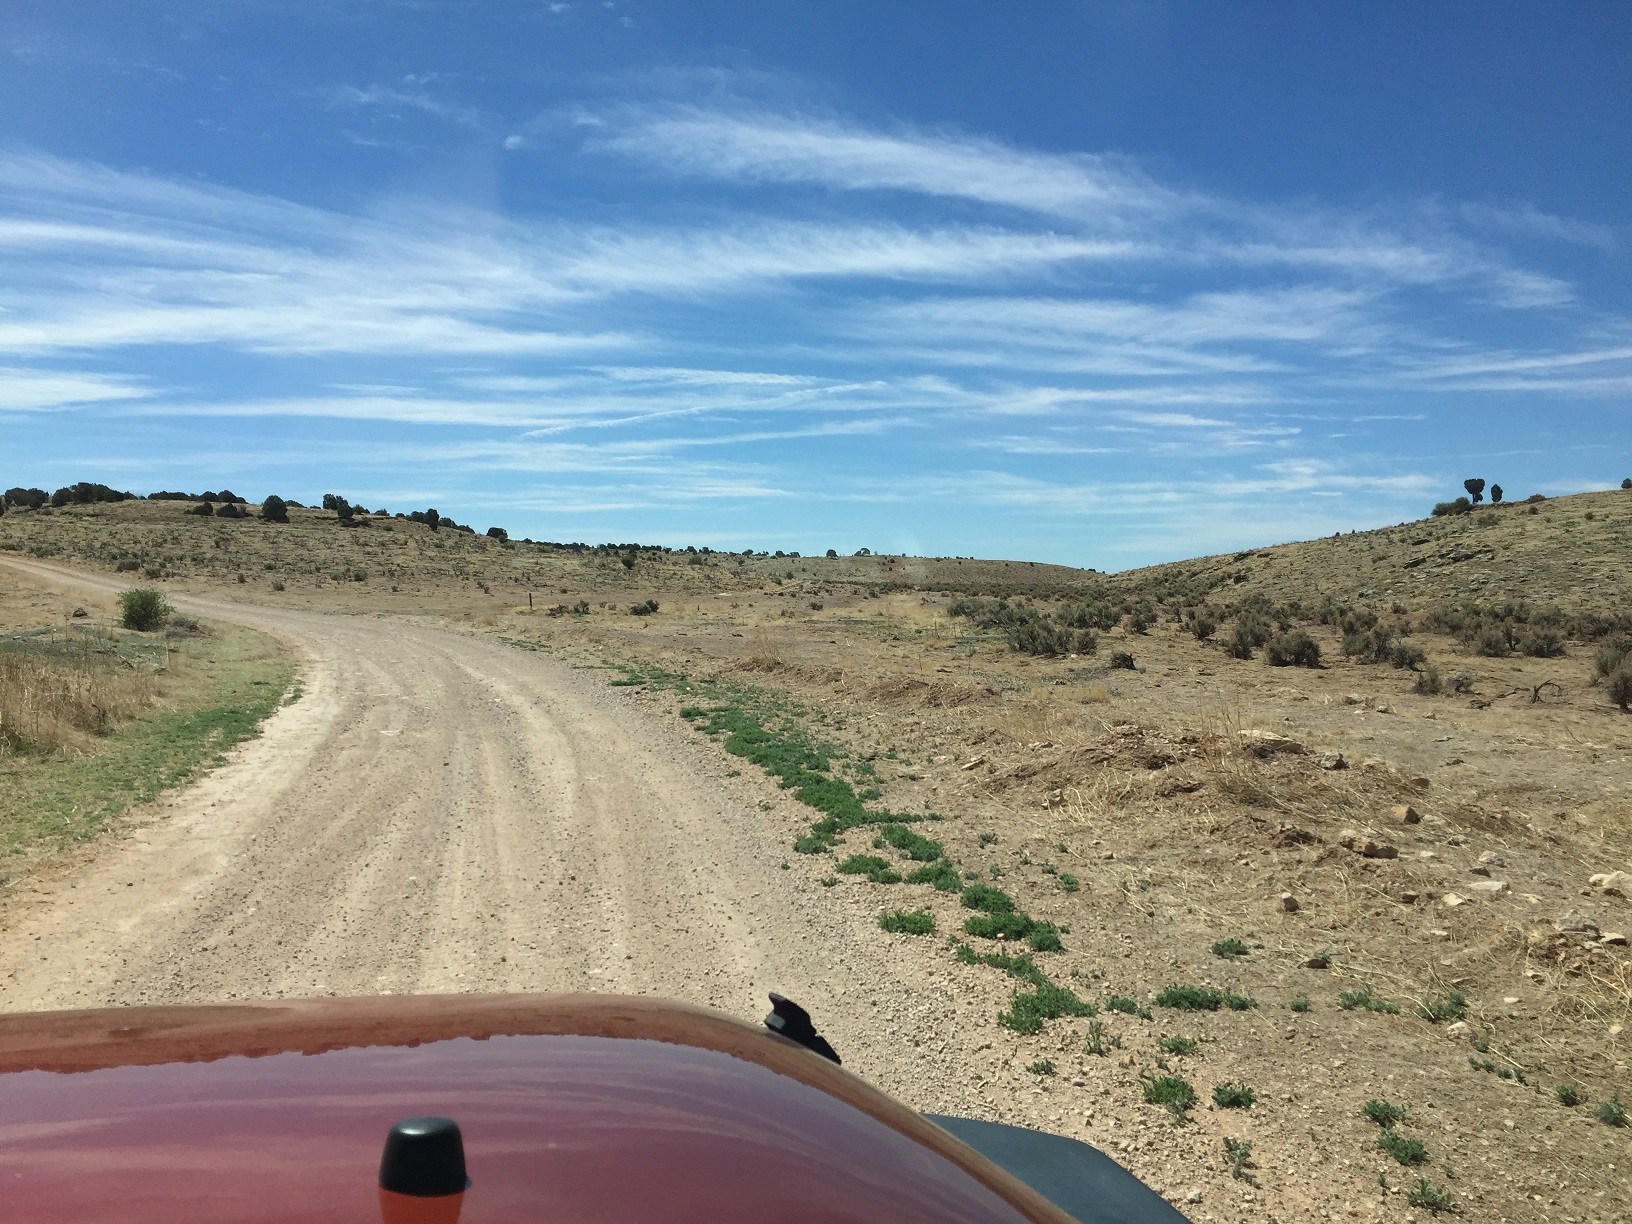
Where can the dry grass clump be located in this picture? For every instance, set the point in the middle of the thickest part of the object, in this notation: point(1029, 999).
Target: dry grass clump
point(52, 705)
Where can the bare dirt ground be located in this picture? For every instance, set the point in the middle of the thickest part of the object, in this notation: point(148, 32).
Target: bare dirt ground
point(441, 813)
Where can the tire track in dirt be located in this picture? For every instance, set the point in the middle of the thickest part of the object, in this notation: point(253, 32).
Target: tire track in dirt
point(440, 812)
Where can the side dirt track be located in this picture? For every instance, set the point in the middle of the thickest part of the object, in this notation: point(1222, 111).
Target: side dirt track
point(440, 813)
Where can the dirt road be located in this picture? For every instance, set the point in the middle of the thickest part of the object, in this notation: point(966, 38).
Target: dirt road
point(443, 813)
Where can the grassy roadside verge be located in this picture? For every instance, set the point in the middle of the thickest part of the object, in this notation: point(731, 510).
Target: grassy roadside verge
point(218, 690)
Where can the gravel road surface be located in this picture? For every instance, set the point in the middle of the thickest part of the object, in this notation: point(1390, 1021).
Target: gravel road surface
point(445, 813)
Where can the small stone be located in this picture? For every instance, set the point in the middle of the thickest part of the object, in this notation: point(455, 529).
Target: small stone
point(1439, 933)
point(1460, 1031)
point(1331, 760)
point(1613, 937)
point(1193, 1195)
point(1366, 845)
point(1510, 1000)
point(1410, 898)
point(79, 613)
point(1480, 870)
point(1491, 859)
point(1266, 743)
point(1317, 962)
point(1573, 923)
point(1489, 888)
point(1404, 813)
point(1612, 884)
point(1452, 900)
point(1289, 903)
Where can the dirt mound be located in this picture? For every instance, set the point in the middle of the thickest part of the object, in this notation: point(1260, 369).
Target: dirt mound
point(932, 695)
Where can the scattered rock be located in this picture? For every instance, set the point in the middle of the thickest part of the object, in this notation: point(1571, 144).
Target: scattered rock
point(1266, 743)
point(1612, 884)
point(1289, 903)
point(1491, 859)
point(974, 763)
point(79, 613)
point(1318, 962)
point(1460, 1031)
point(1194, 1195)
point(1410, 898)
point(1479, 869)
point(1489, 888)
point(1574, 923)
point(1452, 900)
point(1362, 843)
point(1613, 937)
point(1056, 798)
point(1404, 813)
point(1331, 760)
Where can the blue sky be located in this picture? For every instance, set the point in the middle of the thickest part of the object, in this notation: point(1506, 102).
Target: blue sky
point(1102, 284)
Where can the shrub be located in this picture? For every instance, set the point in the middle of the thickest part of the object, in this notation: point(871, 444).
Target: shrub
point(1611, 657)
point(1029, 1009)
point(143, 609)
point(1364, 1000)
point(1620, 687)
point(1044, 937)
point(1201, 998)
point(643, 609)
point(1460, 506)
point(1234, 1096)
point(988, 899)
point(1430, 1196)
point(1295, 649)
point(1043, 1066)
point(915, 846)
point(1452, 1007)
point(1475, 488)
point(275, 510)
point(1230, 949)
point(1382, 1113)
point(1202, 621)
point(1126, 1005)
point(1567, 1094)
point(940, 875)
point(1170, 1091)
point(908, 922)
point(1179, 1045)
point(1141, 616)
point(1542, 644)
point(871, 866)
point(1238, 1154)
point(998, 926)
point(1612, 1112)
point(1428, 682)
point(1121, 659)
point(1403, 1148)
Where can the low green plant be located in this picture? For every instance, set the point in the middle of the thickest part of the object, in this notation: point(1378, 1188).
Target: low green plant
point(940, 875)
point(1230, 949)
point(1179, 1045)
point(1127, 1006)
point(1364, 1000)
point(1202, 998)
point(1234, 1096)
point(1170, 1091)
point(1612, 1112)
point(1430, 1196)
point(1453, 1007)
point(1382, 1113)
point(914, 845)
point(1068, 882)
point(908, 922)
point(987, 839)
point(1043, 1066)
point(987, 899)
point(998, 926)
point(871, 866)
point(1097, 1040)
point(1029, 1009)
point(1298, 1005)
point(1238, 1155)
point(143, 609)
point(1403, 1148)
point(1567, 1094)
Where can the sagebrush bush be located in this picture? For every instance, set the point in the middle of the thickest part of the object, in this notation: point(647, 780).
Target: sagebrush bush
point(143, 609)
point(1620, 687)
point(1295, 649)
